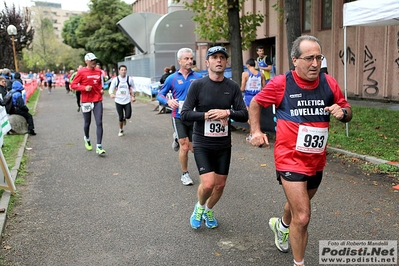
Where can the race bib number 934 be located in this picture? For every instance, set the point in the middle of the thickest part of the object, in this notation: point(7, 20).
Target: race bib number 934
point(214, 128)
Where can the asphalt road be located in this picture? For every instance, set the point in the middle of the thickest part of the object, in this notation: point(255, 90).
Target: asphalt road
point(130, 208)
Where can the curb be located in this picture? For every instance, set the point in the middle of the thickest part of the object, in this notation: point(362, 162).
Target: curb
point(370, 159)
point(5, 198)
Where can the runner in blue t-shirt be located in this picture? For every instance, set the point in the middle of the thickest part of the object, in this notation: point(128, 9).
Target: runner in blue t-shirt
point(178, 83)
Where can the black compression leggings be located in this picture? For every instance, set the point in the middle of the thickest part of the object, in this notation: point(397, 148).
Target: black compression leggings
point(98, 117)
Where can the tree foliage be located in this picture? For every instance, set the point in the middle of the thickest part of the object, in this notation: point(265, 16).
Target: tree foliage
point(213, 22)
point(69, 31)
point(96, 31)
point(21, 20)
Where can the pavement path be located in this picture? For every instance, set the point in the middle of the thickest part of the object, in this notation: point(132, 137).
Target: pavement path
point(130, 208)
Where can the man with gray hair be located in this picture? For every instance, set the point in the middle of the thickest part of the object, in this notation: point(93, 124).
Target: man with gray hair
point(305, 101)
point(178, 83)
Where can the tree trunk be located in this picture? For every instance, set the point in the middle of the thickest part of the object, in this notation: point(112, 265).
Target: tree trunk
point(292, 24)
point(235, 40)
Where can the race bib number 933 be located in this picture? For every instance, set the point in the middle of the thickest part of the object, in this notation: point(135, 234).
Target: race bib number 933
point(311, 139)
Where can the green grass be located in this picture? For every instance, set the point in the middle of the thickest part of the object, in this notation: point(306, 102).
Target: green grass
point(32, 101)
point(10, 148)
point(373, 132)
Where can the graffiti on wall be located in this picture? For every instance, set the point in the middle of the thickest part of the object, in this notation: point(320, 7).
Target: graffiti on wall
point(350, 56)
point(371, 85)
point(397, 44)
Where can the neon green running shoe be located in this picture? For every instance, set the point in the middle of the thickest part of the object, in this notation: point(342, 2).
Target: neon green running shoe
point(88, 145)
point(100, 151)
point(196, 217)
point(280, 237)
point(210, 220)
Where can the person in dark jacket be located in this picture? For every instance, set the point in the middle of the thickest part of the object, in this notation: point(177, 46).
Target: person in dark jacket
point(3, 89)
point(165, 75)
point(19, 106)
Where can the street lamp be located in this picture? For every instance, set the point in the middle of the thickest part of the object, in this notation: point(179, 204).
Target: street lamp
point(12, 31)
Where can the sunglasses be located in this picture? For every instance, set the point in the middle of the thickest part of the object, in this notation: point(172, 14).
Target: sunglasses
point(216, 49)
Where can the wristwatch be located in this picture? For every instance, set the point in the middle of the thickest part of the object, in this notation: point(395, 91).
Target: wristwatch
point(345, 114)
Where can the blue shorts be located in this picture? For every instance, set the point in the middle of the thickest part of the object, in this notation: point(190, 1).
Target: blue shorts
point(248, 99)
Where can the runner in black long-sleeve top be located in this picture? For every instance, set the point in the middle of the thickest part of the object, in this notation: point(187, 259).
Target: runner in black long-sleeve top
point(215, 100)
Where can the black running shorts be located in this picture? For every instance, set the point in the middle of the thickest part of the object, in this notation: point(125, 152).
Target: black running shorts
point(312, 181)
point(183, 129)
point(210, 160)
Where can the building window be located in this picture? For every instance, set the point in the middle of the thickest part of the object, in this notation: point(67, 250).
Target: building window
point(326, 14)
point(306, 15)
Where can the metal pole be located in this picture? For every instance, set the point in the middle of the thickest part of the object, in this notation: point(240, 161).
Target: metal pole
point(345, 81)
point(15, 54)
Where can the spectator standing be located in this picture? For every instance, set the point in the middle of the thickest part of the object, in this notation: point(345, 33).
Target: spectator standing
point(263, 62)
point(165, 75)
point(305, 99)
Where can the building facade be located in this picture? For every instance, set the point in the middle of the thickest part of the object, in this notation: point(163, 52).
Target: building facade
point(52, 11)
point(371, 52)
